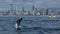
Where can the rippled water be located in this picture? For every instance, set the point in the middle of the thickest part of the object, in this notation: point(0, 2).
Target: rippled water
point(30, 25)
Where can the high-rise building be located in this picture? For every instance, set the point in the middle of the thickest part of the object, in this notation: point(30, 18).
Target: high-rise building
point(33, 10)
point(47, 11)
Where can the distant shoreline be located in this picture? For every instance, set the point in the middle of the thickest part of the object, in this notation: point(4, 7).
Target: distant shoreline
point(30, 16)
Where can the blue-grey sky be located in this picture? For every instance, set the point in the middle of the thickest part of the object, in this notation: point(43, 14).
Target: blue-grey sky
point(5, 4)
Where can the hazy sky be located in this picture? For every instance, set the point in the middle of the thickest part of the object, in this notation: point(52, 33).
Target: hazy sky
point(5, 4)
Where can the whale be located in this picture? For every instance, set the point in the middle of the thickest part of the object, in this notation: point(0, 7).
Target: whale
point(18, 22)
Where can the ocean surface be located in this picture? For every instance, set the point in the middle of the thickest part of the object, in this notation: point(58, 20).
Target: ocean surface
point(30, 25)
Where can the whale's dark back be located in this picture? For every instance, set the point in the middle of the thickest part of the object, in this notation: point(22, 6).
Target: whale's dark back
point(19, 21)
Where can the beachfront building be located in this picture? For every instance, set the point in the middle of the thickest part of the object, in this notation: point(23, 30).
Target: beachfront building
point(4, 13)
point(33, 10)
point(58, 12)
point(47, 11)
point(38, 13)
point(25, 13)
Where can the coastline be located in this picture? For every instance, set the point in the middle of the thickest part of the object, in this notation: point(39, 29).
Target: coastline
point(30, 16)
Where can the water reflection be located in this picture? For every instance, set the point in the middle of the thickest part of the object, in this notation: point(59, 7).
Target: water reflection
point(19, 31)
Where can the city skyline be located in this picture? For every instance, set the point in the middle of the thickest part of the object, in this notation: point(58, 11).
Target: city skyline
point(27, 4)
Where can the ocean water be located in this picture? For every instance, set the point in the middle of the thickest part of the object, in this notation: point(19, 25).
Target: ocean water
point(30, 25)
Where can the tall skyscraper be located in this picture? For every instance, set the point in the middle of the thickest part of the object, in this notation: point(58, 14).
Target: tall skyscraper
point(33, 9)
point(47, 11)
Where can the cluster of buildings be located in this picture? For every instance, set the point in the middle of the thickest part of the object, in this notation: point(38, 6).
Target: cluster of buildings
point(33, 12)
point(13, 11)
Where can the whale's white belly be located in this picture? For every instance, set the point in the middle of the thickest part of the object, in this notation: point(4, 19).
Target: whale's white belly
point(17, 26)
